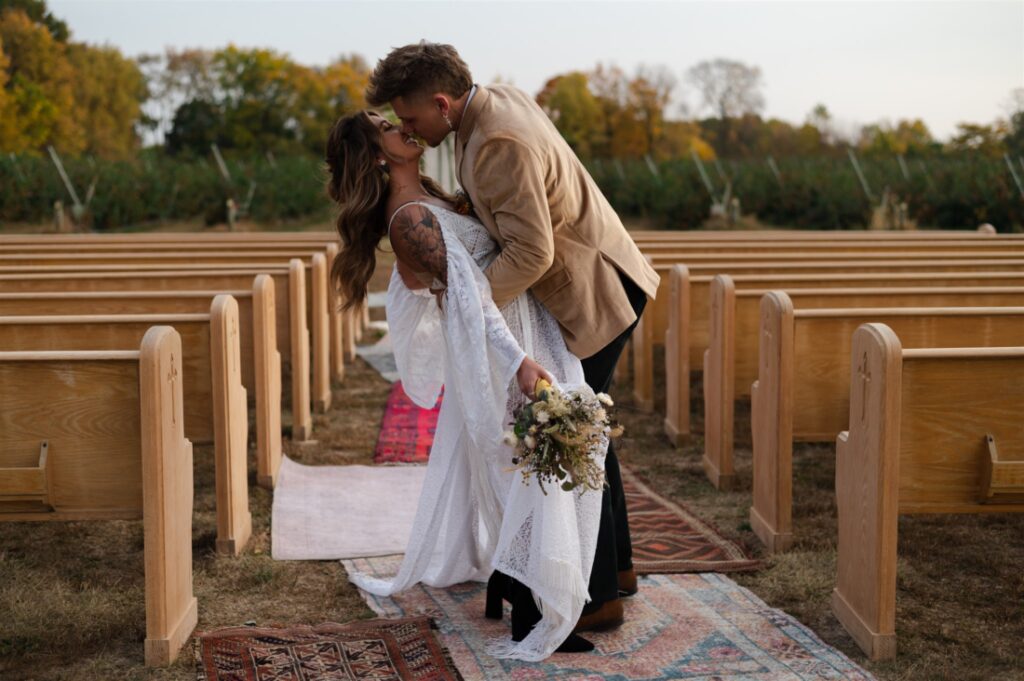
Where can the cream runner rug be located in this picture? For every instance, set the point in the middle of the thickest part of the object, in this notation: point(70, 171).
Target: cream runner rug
point(333, 512)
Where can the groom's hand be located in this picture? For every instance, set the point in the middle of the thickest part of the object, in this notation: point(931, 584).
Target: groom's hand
point(527, 375)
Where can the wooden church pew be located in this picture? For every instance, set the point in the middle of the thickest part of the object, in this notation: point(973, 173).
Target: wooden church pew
point(214, 400)
point(98, 436)
point(687, 333)
point(261, 361)
point(291, 325)
point(731, 362)
point(931, 431)
point(802, 390)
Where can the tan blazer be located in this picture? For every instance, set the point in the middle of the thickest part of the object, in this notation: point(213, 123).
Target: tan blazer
point(559, 236)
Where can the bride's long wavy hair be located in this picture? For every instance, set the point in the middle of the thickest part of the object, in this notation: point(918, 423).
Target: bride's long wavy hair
point(359, 185)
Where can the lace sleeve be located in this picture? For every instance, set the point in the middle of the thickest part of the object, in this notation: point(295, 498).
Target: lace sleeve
point(414, 324)
point(501, 342)
point(499, 336)
point(483, 354)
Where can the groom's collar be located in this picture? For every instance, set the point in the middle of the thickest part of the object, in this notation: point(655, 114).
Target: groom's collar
point(470, 115)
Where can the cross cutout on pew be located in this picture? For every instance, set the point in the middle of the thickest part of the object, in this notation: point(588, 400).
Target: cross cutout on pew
point(172, 376)
point(865, 378)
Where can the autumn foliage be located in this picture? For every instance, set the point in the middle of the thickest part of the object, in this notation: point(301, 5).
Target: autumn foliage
point(142, 131)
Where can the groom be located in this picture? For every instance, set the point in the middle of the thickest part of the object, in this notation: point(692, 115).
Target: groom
point(558, 235)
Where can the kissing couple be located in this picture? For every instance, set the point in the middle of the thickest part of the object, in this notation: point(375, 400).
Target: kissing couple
point(530, 275)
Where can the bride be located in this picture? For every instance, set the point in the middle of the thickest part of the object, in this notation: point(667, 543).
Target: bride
point(475, 515)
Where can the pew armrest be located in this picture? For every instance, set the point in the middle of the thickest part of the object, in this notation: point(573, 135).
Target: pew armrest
point(29, 483)
point(1001, 481)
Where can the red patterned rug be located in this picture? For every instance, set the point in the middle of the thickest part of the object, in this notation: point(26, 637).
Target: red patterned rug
point(406, 431)
point(667, 538)
point(382, 650)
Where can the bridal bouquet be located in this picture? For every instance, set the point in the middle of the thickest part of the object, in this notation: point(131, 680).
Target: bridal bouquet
point(555, 437)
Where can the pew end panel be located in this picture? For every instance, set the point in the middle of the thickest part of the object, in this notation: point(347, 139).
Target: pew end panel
point(718, 394)
point(302, 420)
point(320, 330)
point(171, 607)
point(677, 358)
point(867, 494)
point(230, 417)
point(643, 353)
point(268, 379)
point(643, 364)
point(771, 421)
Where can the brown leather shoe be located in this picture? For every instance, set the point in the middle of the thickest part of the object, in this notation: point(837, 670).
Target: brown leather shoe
point(608, 616)
point(627, 582)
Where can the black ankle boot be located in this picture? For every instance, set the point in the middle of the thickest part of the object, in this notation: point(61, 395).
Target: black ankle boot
point(575, 644)
point(525, 615)
point(524, 611)
point(497, 592)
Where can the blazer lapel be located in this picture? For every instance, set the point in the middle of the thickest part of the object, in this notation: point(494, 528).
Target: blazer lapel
point(466, 127)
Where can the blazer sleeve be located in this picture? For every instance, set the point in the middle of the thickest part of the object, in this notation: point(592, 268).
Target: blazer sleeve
point(510, 184)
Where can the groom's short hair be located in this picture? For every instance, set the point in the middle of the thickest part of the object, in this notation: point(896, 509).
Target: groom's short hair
point(423, 68)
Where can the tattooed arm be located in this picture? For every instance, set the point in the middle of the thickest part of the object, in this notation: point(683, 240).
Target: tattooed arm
point(418, 243)
point(414, 281)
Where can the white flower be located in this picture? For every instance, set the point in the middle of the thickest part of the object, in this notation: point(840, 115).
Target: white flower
point(509, 438)
point(605, 399)
point(542, 416)
point(529, 442)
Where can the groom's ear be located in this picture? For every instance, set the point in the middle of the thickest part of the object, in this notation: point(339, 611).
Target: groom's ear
point(443, 103)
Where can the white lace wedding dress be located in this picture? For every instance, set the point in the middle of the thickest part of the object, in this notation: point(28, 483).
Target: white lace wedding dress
point(475, 515)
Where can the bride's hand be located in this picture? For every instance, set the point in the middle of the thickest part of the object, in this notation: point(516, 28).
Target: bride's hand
point(527, 375)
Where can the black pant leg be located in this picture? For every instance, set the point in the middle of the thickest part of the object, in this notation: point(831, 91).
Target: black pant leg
point(614, 548)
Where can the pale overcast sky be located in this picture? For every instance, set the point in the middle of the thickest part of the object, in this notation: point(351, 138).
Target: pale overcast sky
point(944, 62)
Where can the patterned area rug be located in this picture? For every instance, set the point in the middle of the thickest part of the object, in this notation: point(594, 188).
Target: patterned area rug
point(693, 626)
point(667, 538)
point(406, 431)
point(382, 650)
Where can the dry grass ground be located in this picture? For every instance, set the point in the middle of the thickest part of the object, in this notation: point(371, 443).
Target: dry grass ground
point(71, 594)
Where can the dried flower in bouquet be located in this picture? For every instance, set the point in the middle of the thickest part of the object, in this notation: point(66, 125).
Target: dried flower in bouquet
point(557, 436)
